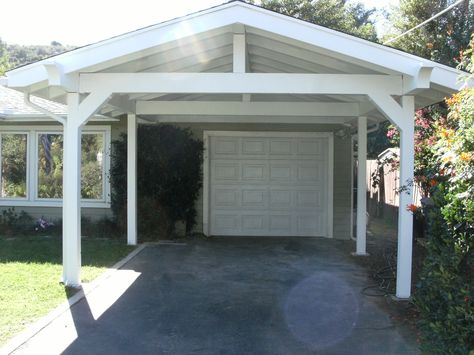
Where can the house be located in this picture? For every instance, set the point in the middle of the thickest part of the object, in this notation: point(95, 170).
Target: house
point(269, 96)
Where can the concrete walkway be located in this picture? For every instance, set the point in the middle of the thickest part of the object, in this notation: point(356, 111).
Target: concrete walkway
point(229, 296)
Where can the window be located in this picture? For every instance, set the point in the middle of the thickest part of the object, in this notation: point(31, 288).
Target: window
point(50, 165)
point(13, 153)
point(40, 183)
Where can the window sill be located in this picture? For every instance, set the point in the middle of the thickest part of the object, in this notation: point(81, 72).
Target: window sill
point(27, 203)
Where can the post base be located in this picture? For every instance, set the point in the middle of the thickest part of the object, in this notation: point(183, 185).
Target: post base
point(359, 254)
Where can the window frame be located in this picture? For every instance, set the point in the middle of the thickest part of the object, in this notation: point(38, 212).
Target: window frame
point(32, 177)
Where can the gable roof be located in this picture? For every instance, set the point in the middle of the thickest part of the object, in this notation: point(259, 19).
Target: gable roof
point(202, 42)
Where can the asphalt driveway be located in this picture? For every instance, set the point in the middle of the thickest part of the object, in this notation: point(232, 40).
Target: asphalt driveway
point(233, 296)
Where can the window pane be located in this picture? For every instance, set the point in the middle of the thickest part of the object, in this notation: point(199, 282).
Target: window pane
point(92, 166)
point(50, 165)
point(13, 153)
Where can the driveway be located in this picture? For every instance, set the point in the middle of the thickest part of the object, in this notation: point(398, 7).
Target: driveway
point(231, 296)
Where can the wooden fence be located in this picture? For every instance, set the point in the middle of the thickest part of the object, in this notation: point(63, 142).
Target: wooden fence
point(383, 199)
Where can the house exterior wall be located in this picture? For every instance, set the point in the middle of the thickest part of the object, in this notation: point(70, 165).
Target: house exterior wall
point(342, 171)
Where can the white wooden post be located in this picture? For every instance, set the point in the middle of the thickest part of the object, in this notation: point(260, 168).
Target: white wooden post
point(78, 114)
point(72, 194)
point(132, 179)
point(361, 186)
point(405, 218)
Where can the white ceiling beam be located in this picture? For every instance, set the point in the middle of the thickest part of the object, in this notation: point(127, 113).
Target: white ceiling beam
point(277, 49)
point(249, 119)
point(221, 83)
point(305, 65)
point(235, 108)
point(187, 61)
point(197, 49)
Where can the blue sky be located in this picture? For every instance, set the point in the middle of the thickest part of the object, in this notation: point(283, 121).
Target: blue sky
point(40, 22)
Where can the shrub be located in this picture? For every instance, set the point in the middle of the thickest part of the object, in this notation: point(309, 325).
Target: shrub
point(169, 179)
point(12, 222)
point(445, 290)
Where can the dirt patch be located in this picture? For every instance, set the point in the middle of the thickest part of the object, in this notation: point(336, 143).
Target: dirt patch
point(381, 266)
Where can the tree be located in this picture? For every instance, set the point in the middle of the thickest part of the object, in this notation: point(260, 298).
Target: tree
point(340, 15)
point(4, 62)
point(20, 55)
point(443, 39)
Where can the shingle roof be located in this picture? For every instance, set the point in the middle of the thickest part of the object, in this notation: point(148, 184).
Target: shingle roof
point(12, 104)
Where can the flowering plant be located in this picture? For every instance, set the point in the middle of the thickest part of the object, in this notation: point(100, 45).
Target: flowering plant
point(42, 224)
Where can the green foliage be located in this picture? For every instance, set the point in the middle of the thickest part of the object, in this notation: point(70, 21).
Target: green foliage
point(21, 55)
point(428, 122)
point(443, 39)
point(12, 222)
point(169, 179)
point(341, 15)
point(13, 151)
point(4, 59)
point(446, 288)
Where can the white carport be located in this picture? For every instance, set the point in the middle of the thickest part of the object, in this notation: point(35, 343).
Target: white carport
point(237, 63)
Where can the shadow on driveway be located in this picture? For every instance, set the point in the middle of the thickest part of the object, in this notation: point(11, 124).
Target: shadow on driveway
point(239, 296)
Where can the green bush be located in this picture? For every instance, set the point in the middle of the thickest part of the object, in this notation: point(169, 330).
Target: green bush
point(169, 179)
point(445, 290)
point(12, 222)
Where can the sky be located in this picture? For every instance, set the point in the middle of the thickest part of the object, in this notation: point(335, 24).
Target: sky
point(88, 21)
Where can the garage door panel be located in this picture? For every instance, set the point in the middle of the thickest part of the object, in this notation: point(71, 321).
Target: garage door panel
point(310, 147)
point(312, 172)
point(254, 198)
point(225, 197)
point(281, 147)
point(256, 223)
point(226, 171)
point(308, 199)
point(255, 171)
point(281, 224)
point(281, 172)
point(307, 225)
point(226, 146)
point(280, 198)
point(254, 146)
point(226, 223)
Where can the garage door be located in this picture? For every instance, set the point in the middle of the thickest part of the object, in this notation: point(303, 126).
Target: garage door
point(269, 184)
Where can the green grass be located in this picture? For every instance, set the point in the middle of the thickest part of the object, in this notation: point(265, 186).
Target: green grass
point(30, 271)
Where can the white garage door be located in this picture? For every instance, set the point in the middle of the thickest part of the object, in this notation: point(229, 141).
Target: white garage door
point(269, 184)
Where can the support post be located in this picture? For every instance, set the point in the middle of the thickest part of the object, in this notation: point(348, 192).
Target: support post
point(132, 179)
point(72, 194)
point(361, 186)
point(405, 218)
point(78, 114)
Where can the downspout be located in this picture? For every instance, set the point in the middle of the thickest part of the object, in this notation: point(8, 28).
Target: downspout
point(34, 106)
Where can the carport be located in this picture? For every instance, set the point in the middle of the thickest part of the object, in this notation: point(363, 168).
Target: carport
point(240, 65)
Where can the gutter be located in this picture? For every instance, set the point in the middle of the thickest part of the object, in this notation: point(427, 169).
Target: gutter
point(36, 107)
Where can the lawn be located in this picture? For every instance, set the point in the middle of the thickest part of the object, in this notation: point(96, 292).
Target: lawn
point(30, 271)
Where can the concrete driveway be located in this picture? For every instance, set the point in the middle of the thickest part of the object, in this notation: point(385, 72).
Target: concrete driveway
point(230, 296)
